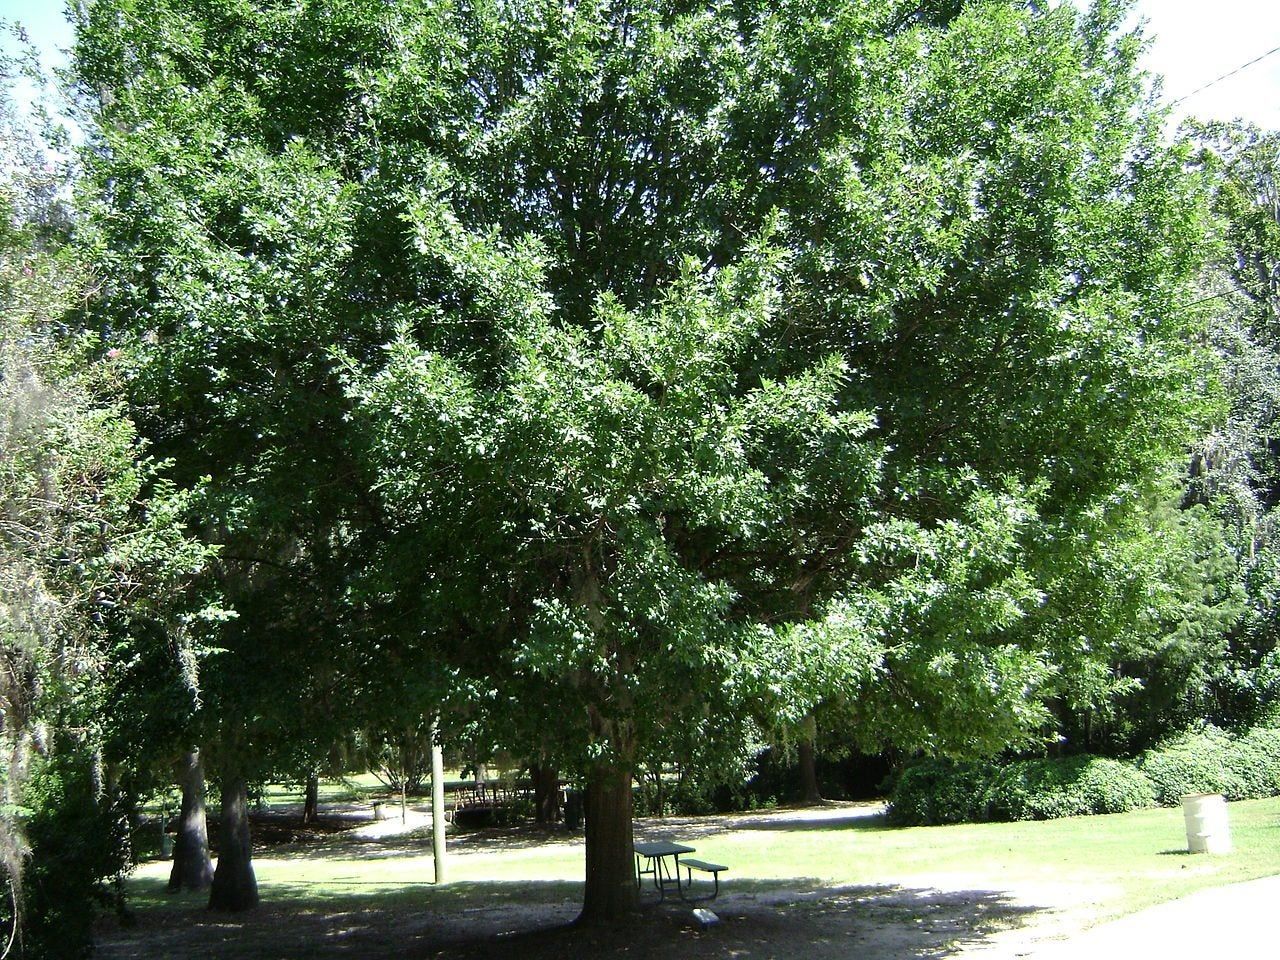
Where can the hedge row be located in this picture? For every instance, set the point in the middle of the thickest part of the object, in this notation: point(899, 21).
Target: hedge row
point(937, 791)
point(1242, 767)
point(1245, 767)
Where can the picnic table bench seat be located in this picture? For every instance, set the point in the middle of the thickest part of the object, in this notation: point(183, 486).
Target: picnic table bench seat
point(714, 869)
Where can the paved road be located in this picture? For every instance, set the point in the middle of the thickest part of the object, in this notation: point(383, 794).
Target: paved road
point(1240, 921)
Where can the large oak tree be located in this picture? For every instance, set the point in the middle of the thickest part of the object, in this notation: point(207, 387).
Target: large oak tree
point(644, 367)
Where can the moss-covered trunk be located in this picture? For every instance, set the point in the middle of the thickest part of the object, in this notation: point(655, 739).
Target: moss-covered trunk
point(234, 885)
point(311, 800)
point(192, 868)
point(546, 792)
point(810, 791)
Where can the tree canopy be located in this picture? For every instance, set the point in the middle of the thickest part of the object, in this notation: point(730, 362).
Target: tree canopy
point(641, 369)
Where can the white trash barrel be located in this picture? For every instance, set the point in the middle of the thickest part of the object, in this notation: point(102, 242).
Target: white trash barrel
point(1207, 828)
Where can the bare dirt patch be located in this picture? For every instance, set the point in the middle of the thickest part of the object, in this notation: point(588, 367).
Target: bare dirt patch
point(942, 917)
point(872, 923)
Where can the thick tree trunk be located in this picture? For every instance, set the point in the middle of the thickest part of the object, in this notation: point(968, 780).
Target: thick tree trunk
point(611, 893)
point(311, 805)
point(234, 885)
point(192, 869)
point(810, 791)
point(546, 793)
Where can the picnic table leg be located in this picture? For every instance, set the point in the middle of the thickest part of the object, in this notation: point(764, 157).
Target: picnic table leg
point(663, 875)
point(715, 890)
point(652, 870)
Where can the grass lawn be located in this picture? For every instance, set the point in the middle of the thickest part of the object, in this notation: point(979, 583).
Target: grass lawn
point(1138, 858)
point(1079, 871)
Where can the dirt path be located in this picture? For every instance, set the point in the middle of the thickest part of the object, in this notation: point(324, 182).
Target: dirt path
point(1231, 921)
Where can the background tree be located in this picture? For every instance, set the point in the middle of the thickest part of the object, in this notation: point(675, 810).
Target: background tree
point(92, 556)
point(1234, 467)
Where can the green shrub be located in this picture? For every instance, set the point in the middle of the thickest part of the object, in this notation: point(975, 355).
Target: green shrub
point(1208, 760)
point(934, 792)
point(78, 837)
point(1116, 786)
point(516, 810)
point(1243, 767)
point(690, 796)
point(1065, 787)
point(1255, 760)
point(698, 794)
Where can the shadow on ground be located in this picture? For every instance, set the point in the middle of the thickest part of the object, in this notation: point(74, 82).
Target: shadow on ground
point(283, 836)
point(843, 816)
point(858, 821)
point(787, 920)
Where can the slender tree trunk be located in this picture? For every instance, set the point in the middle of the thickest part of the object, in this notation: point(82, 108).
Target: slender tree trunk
point(192, 869)
point(546, 793)
point(311, 805)
point(437, 804)
point(611, 893)
point(811, 792)
point(234, 885)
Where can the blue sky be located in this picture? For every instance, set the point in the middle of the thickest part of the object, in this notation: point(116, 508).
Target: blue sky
point(1193, 43)
point(43, 19)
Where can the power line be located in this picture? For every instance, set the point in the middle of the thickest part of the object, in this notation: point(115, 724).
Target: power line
point(1226, 75)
